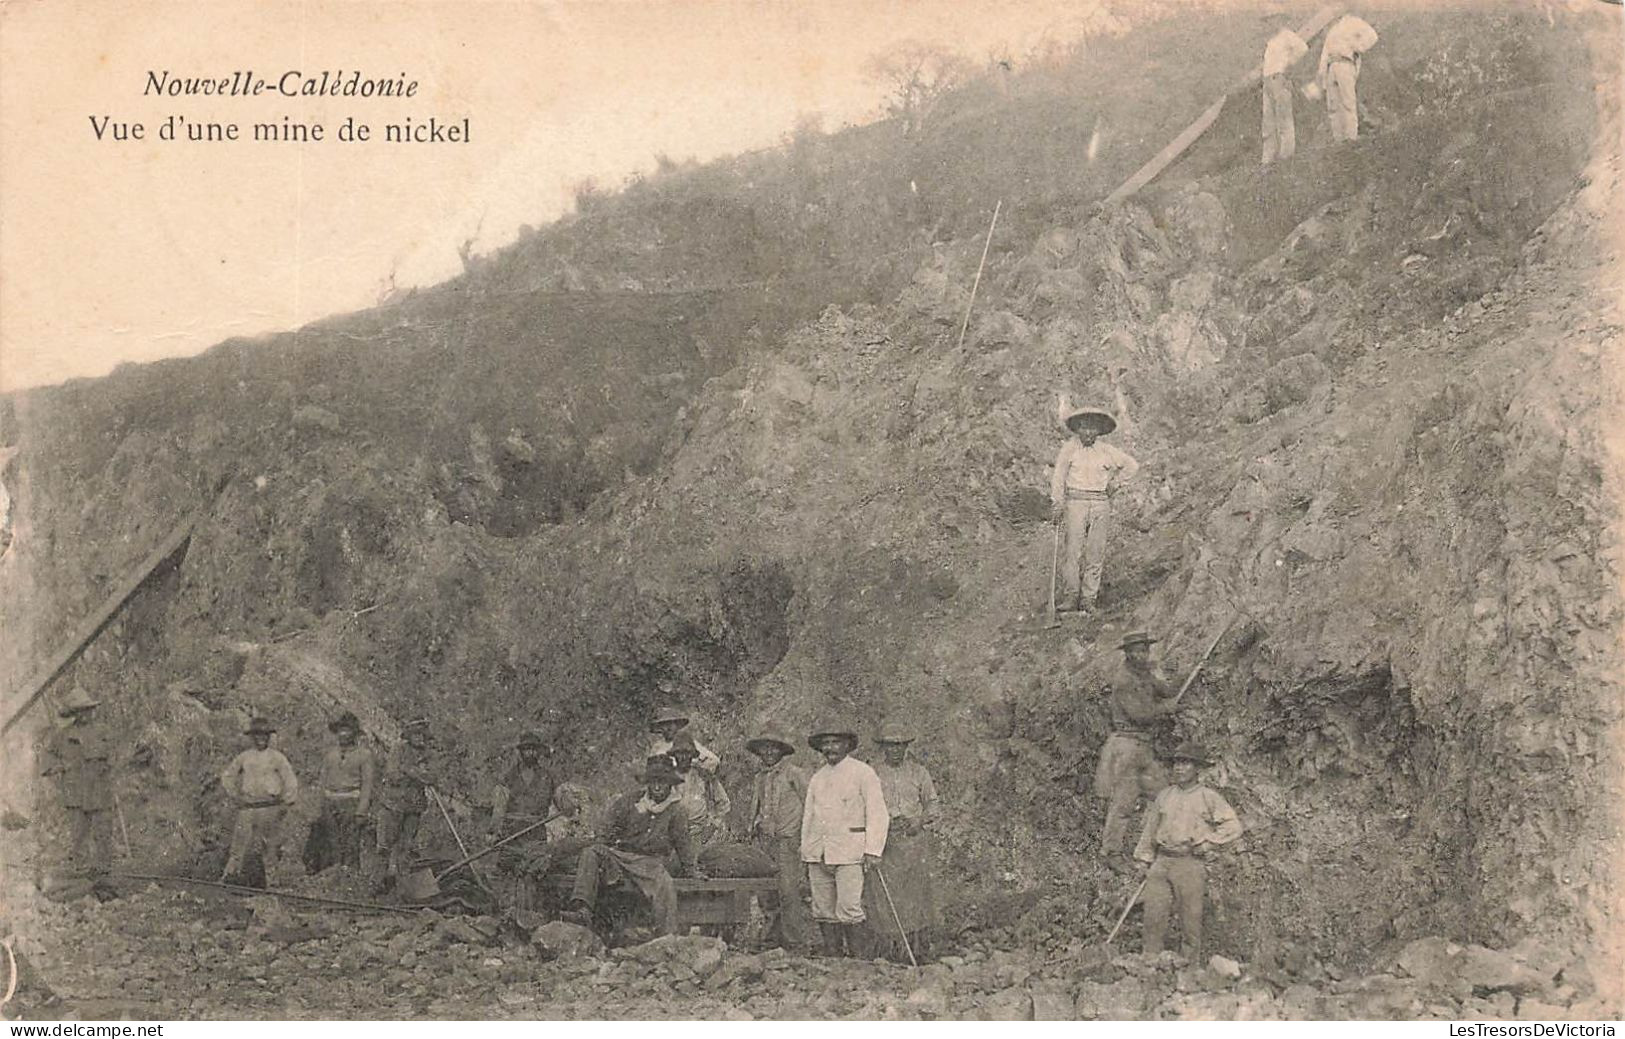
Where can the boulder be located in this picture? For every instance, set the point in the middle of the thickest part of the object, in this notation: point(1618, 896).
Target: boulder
point(1224, 967)
point(561, 940)
point(1052, 1001)
point(1491, 970)
point(694, 954)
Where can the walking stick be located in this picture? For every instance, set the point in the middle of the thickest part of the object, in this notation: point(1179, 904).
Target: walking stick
point(1131, 900)
point(885, 890)
point(1050, 619)
point(972, 301)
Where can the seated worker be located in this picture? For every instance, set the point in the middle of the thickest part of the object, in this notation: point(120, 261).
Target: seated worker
point(664, 727)
point(523, 797)
point(643, 832)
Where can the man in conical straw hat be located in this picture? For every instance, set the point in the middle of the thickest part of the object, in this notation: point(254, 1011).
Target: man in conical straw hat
point(1087, 473)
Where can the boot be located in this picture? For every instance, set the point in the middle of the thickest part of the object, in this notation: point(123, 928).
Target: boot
point(831, 934)
point(858, 945)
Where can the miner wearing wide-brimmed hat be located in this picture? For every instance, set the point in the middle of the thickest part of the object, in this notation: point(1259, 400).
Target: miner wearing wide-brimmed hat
point(778, 795)
point(664, 725)
point(403, 799)
point(843, 836)
point(262, 783)
point(1087, 473)
point(524, 795)
point(349, 773)
point(1187, 821)
point(79, 755)
point(645, 838)
point(911, 800)
point(1137, 700)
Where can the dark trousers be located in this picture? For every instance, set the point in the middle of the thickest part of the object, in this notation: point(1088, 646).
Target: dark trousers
point(600, 864)
point(786, 909)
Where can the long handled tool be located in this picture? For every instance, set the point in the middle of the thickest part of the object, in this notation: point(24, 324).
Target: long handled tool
point(977, 283)
point(1050, 619)
point(885, 890)
point(123, 827)
point(1211, 646)
point(239, 889)
point(1131, 900)
point(433, 882)
point(455, 866)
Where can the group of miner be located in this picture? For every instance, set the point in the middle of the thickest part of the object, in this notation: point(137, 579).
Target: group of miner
point(848, 843)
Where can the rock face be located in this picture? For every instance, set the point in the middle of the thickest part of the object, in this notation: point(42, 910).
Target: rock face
point(1381, 476)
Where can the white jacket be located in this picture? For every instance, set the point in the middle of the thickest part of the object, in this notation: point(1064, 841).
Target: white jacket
point(845, 816)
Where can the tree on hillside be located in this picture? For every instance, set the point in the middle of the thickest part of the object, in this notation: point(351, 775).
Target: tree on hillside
point(918, 76)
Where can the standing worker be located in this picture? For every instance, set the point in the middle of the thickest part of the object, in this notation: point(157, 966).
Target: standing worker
point(262, 783)
point(404, 800)
point(347, 779)
point(524, 796)
point(80, 756)
point(1086, 474)
point(911, 799)
point(1339, 70)
point(778, 796)
point(1280, 133)
point(1186, 822)
point(843, 835)
point(1128, 767)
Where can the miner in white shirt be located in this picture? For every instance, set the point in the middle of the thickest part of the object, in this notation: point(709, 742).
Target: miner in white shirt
point(1280, 132)
point(843, 835)
point(1087, 473)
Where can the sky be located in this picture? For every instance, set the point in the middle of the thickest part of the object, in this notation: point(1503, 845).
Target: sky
point(117, 251)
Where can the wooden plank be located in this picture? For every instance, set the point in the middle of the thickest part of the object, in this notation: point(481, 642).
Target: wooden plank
point(41, 680)
point(1175, 148)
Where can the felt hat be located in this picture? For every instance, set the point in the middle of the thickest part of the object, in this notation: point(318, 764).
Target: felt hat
point(1099, 417)
point(1190, 750)
point(259, 725)
point(1137, 638)
point(895, 734)
point(347, 720)
point(770, 738)
point(668, 714)
point(820, 734)
point(76, 701)
point(532, 738)
point(658, 768)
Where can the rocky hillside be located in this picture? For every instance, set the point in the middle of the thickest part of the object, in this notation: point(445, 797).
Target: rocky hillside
point(1368, 388)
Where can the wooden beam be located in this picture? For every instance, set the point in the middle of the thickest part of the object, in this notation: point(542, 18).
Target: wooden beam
point(41, 680)
point(1176, 147)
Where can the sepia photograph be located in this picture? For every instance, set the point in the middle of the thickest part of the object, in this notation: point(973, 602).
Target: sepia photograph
point(812, 510)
